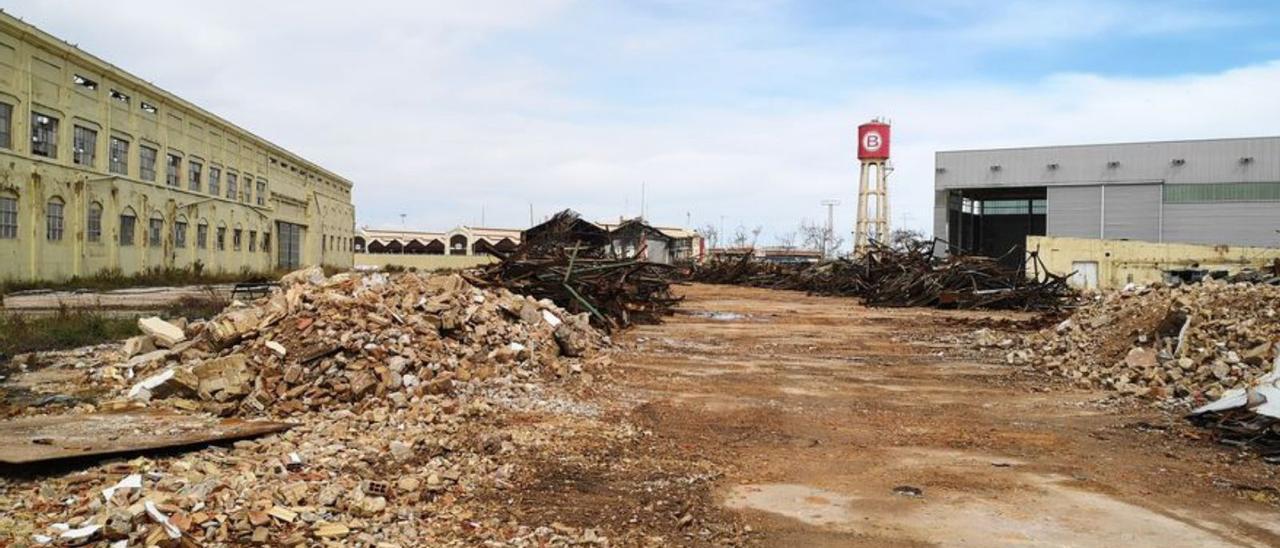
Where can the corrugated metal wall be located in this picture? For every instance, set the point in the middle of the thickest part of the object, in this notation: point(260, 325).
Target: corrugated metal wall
point(1253, 224)
point(1075, 211)
point(1132, 212)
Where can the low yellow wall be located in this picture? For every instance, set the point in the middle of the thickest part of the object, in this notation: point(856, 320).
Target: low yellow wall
point(1125, 261)
point(423, 262)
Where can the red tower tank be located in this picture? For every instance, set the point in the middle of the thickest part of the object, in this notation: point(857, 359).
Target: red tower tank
point(873, 141)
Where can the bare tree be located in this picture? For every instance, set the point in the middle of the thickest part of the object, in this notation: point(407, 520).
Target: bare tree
point(755, 235)
point(905, 238)
point(786, 240)
point(711, 234)
point(816, 237)
point(740, 237)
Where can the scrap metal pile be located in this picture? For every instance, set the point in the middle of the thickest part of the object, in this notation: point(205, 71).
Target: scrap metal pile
point(572, 263)
point(911, 275)
point(1248, 416)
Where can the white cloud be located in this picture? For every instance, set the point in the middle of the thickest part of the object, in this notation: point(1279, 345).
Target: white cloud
point(439, 109)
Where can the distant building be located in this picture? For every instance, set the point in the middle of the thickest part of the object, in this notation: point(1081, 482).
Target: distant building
point(1212, 192)
point(101, 170)
point(658, 244)
point(776, 254)
point(462, 240)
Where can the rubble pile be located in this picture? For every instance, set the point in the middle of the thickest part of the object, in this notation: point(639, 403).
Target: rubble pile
point(326, 343)
point(417, 402)
point(576, 270)
point(1190, 342)
point(904, 276)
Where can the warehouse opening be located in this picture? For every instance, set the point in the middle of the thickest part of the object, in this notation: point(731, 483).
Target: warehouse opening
point(995, 222)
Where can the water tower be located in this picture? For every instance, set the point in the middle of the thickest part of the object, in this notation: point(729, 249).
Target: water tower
point(873, 188)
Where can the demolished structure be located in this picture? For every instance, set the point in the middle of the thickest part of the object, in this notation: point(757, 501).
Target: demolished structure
point(910, 275)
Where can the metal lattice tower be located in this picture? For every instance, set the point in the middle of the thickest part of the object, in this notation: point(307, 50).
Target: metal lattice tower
point(873, 205)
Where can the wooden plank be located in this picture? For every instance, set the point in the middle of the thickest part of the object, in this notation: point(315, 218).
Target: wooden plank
point(51, 437)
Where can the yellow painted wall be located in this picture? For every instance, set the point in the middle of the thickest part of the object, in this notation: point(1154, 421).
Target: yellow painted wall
point(1125, 261)
point(38, 74)
point(423, 262)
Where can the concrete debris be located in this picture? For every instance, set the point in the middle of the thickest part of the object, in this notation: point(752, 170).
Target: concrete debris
point(140, 344)
point(1185, 344)
point(163, 333)
point(403, 391)
point(1247, 415)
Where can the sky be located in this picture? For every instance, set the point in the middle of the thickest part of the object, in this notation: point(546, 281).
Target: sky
point(739, 113)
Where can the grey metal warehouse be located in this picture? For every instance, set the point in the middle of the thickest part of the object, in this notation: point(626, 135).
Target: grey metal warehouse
point(1218, 191)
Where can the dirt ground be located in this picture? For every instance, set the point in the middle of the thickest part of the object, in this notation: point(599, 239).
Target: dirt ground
point(838, 425)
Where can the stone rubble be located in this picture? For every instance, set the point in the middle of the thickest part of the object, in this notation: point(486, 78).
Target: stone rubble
point(413, 397)
point(1184, 344)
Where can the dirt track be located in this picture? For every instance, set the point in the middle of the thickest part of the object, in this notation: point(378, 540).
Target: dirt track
point(818, 409)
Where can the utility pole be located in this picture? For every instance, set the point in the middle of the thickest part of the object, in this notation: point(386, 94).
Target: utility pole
point(402, 225)
point(829, 234)
point(641, 200)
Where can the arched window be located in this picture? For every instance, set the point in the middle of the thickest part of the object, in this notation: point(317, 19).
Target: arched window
point(458, 245)
point(202, 234)
point(436, 247)
point(180, 232)
point(53, 219)
point(237, 238)
point(128, 224)
point(220, 242)
point(8, 216)
point(155, 230)
point(93, 223)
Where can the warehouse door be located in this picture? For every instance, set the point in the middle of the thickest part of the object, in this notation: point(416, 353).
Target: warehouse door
point(1132, 212)
point(289, 239)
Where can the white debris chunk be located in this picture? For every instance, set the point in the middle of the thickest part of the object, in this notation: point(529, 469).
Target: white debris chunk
point(163, 333)
point(159, 517)
point(551, 318)
point(277, 348)
point(132, 481)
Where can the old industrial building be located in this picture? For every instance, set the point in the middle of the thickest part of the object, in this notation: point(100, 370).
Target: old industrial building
point(467, 246)
point(100, 170)
point(1215, 192)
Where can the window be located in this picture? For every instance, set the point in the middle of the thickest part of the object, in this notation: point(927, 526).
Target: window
point(120, 96)
point(8, 218)
point(156, 233)
point(147, 163)
point(84, 82)
point(1221, 192)
point(215, 181)
point(262, 193)
point(127, 222)
point(148, 108)
point(248, 186)
point(266, 242)
point(44, 135)
point(193, 175)
point(6, 125)
point(84, 142)
point(222, 238)
point(235, 239)
point(119, 157)
point(253, 240)
point(180, 234)
point(202, 236)
point(171, 174)
point(53, 220)
point(93, 225)
point(231, 186)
